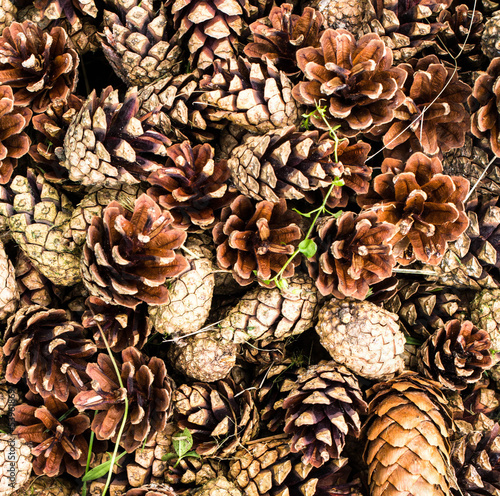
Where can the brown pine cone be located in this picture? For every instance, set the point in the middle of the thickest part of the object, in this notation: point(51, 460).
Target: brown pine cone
point(255, 96)
point(255, 242)
point(39, 66)
point(221, 416)
point(490, 44)
point(286, 34)
point(34, 288)
point(128, 256)
point(55, 9)
point(9, 292)
point(354, 252)
point(191, 185)
point(60, 437)
point(148, 388)
point(47, 486)
point(407, 449)
point(322, 408)
point(122, 326)
point(136, 42)
point(106, 144)
point(361, 336)
point(264, 313)
point(191, 472)
point(426, 206)
point(354, 104)
point(48, 350)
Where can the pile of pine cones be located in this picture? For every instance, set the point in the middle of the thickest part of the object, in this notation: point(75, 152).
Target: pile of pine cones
point(249, 248)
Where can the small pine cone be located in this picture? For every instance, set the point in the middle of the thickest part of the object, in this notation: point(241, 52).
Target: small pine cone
point(426, 206)
point(47, 486)
point(57, 432)
point(354, 252)
point(122, 326)
point(353, 104)
point(264, 313)
point(55, 9)
point(106, 144)
point(255, 96)
point(407, 450)
point(218, 487)
point(135, 42)
point(148, 388)
point(152, 490)
point(287, 34)
point(322, 408)
point(204, 357)
point(485, 314)
point(192, 186)
point(95, 202)
point(40, 228)
point(255, 242)
point(16, 463)
point(363, 337)
point(39, 66)
point(221, 416)
point(490, 43)
point(48, 350)
point(456, 355)
point(132, 264)
point(9, 292)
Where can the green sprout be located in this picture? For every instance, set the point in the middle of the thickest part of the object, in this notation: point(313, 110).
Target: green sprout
point(182, 443)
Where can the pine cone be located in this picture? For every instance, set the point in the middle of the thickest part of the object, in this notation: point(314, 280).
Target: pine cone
point(255, 242)
point(221, 416)
point(152, 490)
point(40, 228)
point(34, 288)
point(147, 387)
point(16, 466)
point(220, 487)
point(132, 263)
point(485, 314)
point(361, 336)
point(456, 355)
point(287, 34)
point(321, 409)
point(122, 327)
point(39, 66)
point(136, 42)
point(407, 450)
point(48, 350)
point(106, 145)
point(354, 252)
point(426, 206)
point(191, 185)
point(489, 40)
point(47, 486)
point(59, 436)
point(264, 313)
point(55, 9)
point(255, 96)
point(9, 293)
point(353, 103)
point(8, 11)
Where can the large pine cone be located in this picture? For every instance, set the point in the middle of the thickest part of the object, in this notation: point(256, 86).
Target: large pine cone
point(148, 388)
point(408, 451)
point(136, 42)
point(354, 103)
point(256, 242)
point(128, 256)
point(426, 206)
point(106, 145)
point(39, 66)
point(354, 252)
point(361, 336)
point(221, 416)
point(48, 350)
point(456, 355)
point(61, 444)
point(322, 408)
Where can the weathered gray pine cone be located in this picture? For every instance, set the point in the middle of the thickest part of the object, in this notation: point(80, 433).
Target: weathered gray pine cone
point(9, 293)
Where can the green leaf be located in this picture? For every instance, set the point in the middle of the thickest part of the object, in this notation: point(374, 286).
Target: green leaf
point(413, 341)
point(308, 247)
point(192, 454)
point(168, 456)
point(182, 442)
point(101, 470)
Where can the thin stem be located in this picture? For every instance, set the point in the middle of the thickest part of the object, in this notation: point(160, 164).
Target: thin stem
point(89, 457)
point(480, 178)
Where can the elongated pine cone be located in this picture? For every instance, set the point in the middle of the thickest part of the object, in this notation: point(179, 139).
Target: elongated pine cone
point(425, 204)
point(355, 80)
point(407, 449)
point(47, 349)
point(456, 355)
point(354, 252)
point(363, 337)
point(128, 256)
point(148, 388)
point(322, 408)
point(39, 66)
point(256, 242)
